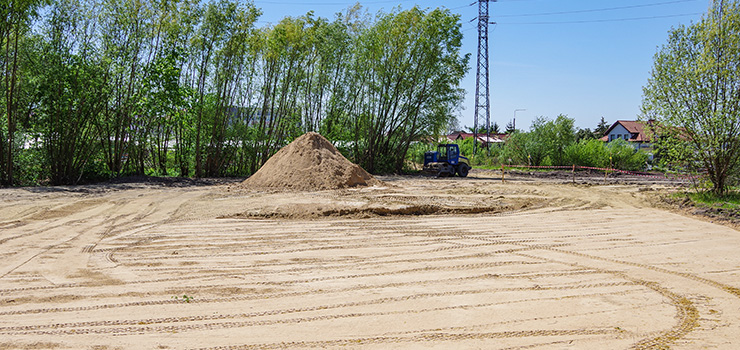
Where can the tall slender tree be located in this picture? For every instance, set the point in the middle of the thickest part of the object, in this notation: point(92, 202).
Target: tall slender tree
point(694, 90)
point(72, 89)
point(601, 128)
point(15, 22)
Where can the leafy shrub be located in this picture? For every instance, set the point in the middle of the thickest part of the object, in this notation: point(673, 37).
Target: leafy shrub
point(588, 153)
point(30, 167)
point(617, 154)
point(415, 155)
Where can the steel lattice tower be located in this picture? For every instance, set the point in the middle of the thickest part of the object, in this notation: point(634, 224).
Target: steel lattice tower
point(482, 91)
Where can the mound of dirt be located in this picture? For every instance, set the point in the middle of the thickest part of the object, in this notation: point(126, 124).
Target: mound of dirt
point(310, 163)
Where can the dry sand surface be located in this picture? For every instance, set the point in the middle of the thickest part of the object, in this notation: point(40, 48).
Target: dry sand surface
point(419, 263)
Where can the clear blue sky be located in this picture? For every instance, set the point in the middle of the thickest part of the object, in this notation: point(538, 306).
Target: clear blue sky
point(582, 58)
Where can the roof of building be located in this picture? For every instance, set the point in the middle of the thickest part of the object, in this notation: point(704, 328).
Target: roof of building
point(634, 127)
point(483, 138)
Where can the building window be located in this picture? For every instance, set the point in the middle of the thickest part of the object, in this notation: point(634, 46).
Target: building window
point(626, 137)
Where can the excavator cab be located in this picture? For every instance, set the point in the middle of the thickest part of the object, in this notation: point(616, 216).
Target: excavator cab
point(449, 153)
point(446, 161)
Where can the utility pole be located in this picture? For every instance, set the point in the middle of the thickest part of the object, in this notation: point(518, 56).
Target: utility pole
point(482, 91)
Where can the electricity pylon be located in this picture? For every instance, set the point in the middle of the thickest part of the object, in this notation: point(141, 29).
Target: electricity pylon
point(482, 91)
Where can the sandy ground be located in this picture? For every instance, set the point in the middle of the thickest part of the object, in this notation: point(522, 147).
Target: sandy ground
point(422, 263)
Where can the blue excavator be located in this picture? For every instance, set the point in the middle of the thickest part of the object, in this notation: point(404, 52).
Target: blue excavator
point(446, 161)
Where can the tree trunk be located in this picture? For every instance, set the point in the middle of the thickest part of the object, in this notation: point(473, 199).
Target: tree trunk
point(11, 109)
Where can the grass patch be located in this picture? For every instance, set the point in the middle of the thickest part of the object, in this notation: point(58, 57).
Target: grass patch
point(731, 200)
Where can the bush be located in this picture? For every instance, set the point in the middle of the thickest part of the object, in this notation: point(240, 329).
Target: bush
point(588, 153)
point(618, 154)
point(626, 157)
point(515, 149)
point(30, 167)
point(415, 154)
point(466, 148)
point(523, 148)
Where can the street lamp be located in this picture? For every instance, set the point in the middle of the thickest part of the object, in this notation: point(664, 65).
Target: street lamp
point(517, 110)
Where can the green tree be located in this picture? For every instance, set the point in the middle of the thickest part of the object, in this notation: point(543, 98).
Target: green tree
point(495, 129)
point(209, 37)
point(544, 144)
point(516, 149)
point(695, 88)
point(72, 90)
point(124, 27)
point(617, 154)
point(107, 88)
point(163, 96)
point(284, 51)
point(15, 22)
point(585, 134)
point(550, 138)
point(178, 31)
point(231, 72)
point(539, 141)
point(403, 84)
point(509, 128)
point(601, 128)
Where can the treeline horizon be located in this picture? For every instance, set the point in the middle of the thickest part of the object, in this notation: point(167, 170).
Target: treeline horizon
point(100, 89)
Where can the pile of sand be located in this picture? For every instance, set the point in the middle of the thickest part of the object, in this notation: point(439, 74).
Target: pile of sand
point(310, 163)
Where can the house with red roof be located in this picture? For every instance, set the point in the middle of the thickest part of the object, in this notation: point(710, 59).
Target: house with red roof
point(483, 139)
point(632, 131)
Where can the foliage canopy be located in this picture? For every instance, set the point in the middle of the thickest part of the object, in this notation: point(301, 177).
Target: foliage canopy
point(694, 94)
point(194, 88)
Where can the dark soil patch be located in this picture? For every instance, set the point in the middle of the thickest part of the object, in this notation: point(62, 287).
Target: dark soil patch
point(728, 216)
point(132, 182)
point(411, 210)
point(370, 212)
point(593, 177)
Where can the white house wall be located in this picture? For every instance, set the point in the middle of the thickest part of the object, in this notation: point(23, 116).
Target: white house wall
point(619, 131)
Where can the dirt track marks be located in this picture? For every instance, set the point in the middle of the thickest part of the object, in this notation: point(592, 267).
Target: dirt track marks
point(544, 278)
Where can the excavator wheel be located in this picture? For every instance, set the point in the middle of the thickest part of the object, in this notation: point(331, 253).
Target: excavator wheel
point(462, 170)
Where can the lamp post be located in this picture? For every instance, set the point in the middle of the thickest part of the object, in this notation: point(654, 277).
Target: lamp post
point(517, 110)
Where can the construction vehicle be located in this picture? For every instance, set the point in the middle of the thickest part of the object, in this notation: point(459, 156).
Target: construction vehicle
point(446, 161)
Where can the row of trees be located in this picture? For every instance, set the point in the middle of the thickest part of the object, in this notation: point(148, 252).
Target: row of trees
point(585, 133)
point(191, 88)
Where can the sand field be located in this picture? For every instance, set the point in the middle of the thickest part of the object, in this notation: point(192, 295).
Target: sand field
point(414, 263)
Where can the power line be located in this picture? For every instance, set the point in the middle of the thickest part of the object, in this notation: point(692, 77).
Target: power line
point(464, 6)
point(597, 10)
point(595, 20)
point(605, 20)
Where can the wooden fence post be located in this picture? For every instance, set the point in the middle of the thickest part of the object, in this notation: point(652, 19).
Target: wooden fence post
point(574, 173)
